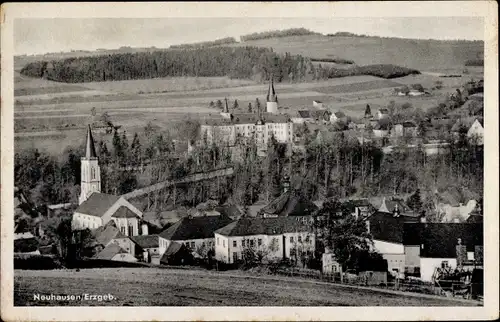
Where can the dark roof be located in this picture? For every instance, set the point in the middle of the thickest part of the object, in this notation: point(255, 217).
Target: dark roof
point(439, 240)
point(97, 204)
point(172, 249)
point(305, 114)
point(195, 228)
point(385, 227)
point(124, 212)
point(393, 204)
point(104, 234)
point(110, 251)
point(263, 226)
point(271, 93)
point(289, 204)
point(384, 126)
point(358, 203)
point(25, 245)
point(408, 124)
point(90, 147)
point(148, 241)
point(230, 211)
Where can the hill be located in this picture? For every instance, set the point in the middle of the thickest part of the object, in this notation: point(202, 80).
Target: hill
point(424, 55)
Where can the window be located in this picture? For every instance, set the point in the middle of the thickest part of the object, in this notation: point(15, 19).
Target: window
point(203, 244)
point(92, 172)
point(307, 238)
point(130, 230)
point(300, 239)
point(259, 242)
point(243, 243)
point(234, 243)
point(235, 257)
point(291, 239)
point(192, 245)
point(251, 242)
point(223, 243)
point(122, 229)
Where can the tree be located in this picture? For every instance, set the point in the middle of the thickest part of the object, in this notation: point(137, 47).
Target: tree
point(415, 201)
point(235, 105)
point(93, 111)
point(117, 146)
point(105, 118)
point(368, 111)
point(257, 105)
point(219, 104)
point(345, 234)
point(212, 104)
point(249, 108)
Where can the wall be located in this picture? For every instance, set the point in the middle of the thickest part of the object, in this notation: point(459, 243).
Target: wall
point(89, 184)
point(82, 221)
point(125, 243)
point(165, 243)
point(395, 261)
point(120, 202)
point(412, 256)
point(384, 247)
point(428, 265)
point(124, 258)
point(125, 222)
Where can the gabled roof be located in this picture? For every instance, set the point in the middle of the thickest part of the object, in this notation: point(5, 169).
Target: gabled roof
point(97, 204)
point(290, 204)
point(385, 227)
point(439, 240)
point(263, 226)
point(466, 122)
point(304, 114)
point(147, 241)
point(124, 212)
point(195, 228)
point(353, 203)
point(104, 234)
point(391, 205)
point(173, 248)
point(230, 211)
point(110, 251)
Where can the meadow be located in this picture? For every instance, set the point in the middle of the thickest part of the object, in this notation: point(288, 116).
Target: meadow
point(181, 287)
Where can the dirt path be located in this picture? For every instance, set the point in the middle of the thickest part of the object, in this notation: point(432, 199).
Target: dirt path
point(172, 287)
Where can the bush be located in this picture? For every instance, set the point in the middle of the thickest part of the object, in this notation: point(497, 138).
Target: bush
point(381, 70)
point(278, 33)
point(474, 62)
point(37, 262)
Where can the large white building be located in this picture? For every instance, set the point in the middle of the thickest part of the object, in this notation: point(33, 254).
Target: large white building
point(275, 238)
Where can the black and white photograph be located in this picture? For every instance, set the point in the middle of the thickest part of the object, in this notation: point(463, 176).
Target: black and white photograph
point(236, 158)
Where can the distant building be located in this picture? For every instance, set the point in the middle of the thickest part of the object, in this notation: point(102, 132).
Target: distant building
point(382, 113)
point(381, 129)
point(311, 116)
point(317, 104)
point(429, 246)
point(338, 117)
point(110, 234)
point(406, 129)
point(274, 238)
point(288, 204)
point(473, 126)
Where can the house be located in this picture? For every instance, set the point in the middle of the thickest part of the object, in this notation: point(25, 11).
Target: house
point(177, 254)
point(288, 204)
point(381, 129)
point(100, 208)
point(230, 211)
point(395, 206)
point(406, 129)
point(115, 253)
point(386, 229)
point(111, 234)
point(329, 264)
point(359, 207)
point(317, 104)
point(311, 116)
point(441, 245)
point(473, 126)
point(338, 116)
point(150, 246)
point(453, 211)
point(382, 113)
point(196, 233)
point(414, 92)
point(272, 238)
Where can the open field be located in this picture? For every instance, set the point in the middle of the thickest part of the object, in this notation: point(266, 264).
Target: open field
point(178, 287)
point(423, 55)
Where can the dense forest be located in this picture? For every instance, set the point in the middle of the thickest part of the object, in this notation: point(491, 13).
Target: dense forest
point(278, 34)
point(242, 62)
point(218, 42)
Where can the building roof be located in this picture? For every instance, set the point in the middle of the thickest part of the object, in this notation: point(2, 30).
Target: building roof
point(383, 111)
point(230, 211)
point(467, 122)
point(304, 114)
point(124, 212)
point(110, 251)
point(90, 147)
point(263, 226)
point(104, 234)
point(97, 204)
point(195, 228)
point(385, 227)
point(249, 118)
point(353, 203)
point(147, 241)
point(290, 204)
point(439, 240)
point(271, 93)
point(391, 205)
point(409, 124)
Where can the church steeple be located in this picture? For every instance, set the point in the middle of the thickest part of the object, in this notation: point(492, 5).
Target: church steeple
point(272, 98)
point(90, 147)
point(90, 171)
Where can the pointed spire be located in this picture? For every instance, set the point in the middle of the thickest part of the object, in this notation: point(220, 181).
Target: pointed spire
point(271, 93)
point(90, 148)
point(226, 110)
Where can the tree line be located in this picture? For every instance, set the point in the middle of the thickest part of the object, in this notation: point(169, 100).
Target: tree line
point(278, 33)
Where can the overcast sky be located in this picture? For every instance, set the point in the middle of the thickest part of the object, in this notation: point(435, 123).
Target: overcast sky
point(36, 36)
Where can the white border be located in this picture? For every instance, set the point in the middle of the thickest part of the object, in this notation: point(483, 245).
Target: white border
point(486, 9)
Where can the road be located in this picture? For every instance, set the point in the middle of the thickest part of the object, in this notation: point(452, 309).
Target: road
point(177, 287)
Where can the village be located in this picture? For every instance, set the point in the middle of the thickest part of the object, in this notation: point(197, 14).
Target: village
point(290, 231)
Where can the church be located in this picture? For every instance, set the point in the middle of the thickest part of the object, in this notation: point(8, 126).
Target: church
point(97, 209)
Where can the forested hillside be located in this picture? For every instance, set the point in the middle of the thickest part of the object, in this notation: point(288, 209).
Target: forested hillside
point(243, 63)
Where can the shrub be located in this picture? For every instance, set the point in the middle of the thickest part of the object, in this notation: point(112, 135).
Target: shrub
point(474, 62)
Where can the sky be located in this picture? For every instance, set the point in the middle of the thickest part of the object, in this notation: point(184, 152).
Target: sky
point(42, 35)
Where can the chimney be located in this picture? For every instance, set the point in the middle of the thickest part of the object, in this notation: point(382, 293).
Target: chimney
point(144, 228)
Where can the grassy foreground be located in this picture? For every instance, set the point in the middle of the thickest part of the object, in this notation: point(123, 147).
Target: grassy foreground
point(177, 287)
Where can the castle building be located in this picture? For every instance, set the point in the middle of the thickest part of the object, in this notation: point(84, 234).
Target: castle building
point(271, 99)
point(90, 171)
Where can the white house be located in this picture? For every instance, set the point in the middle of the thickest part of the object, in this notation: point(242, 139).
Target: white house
point(196, 233)
point(150, 245)
point(429, 246)
point(476, 132)
point(274, 238)
point(317, 104)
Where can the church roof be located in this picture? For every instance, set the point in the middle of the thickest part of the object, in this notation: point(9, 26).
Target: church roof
point(290, 204)
point(271, 93)
point(104, 234)
point(97, 204)
point(124, 212)
point(90, 147)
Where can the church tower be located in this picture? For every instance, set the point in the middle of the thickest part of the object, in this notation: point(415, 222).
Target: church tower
point(90, 170)
point(272, 98)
